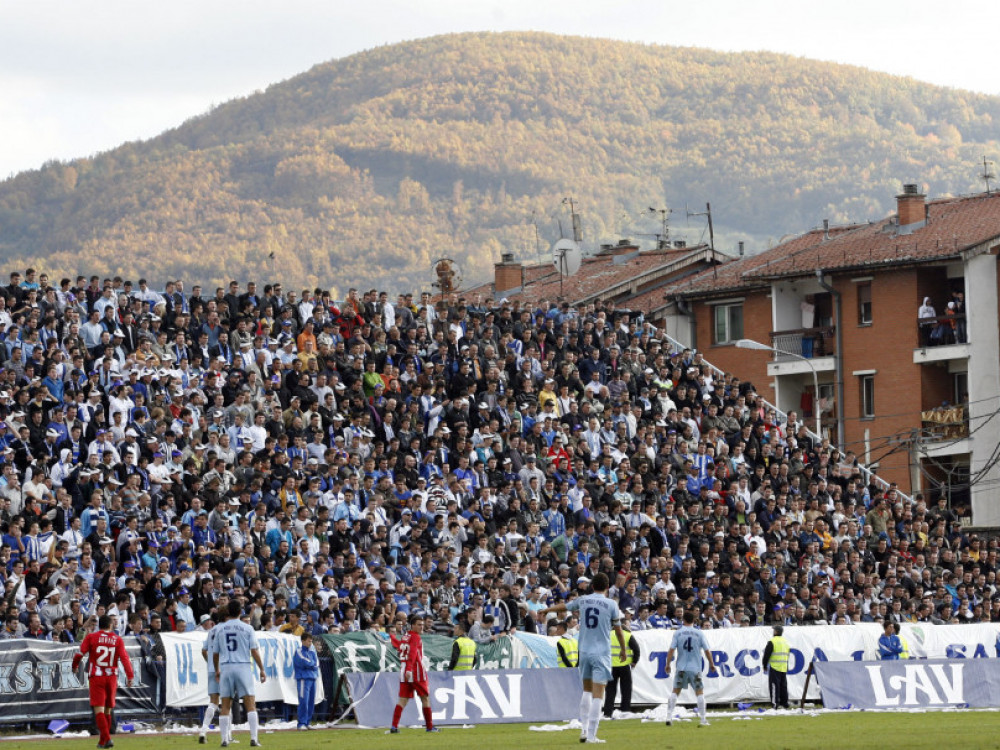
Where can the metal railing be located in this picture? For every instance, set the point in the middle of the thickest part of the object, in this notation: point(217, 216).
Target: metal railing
point(805, 342)
point(866, 474)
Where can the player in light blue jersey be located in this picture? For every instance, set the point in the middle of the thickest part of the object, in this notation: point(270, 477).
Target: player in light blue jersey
point(689, 643)
point(234, 646)
point(213, 688)
point(598, 615)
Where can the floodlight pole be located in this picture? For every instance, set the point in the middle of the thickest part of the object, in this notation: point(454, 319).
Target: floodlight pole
point(751, 344)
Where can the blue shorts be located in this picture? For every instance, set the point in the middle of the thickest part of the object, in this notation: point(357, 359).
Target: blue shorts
point(685, 678)
point(596, 668)
point(236, 681)
point(213, 684)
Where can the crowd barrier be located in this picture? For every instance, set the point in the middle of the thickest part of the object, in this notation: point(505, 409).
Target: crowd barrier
point(37, 683)
point(932, 683)
point(472, 697)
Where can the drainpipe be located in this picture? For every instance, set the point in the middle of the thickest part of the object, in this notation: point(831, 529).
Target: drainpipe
point(685, 309)
point(839, 358)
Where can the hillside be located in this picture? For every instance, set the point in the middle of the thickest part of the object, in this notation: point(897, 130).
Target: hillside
point(447, 146)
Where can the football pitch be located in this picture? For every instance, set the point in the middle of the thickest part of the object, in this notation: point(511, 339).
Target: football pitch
point(846, 729)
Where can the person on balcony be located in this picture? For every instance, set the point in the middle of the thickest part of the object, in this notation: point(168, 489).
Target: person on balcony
point(961, 332)
point(927, 319)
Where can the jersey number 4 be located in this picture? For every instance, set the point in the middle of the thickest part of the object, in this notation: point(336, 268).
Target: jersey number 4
point(688, 644)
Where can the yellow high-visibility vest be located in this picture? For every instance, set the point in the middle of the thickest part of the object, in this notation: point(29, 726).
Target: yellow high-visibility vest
point(616, 660)
point(571, 651)
point(905, 654)
point(779, 654)
point(466, 653)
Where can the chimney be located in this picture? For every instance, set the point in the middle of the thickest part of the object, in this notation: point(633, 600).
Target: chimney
point(910, 207)
point(507, 274)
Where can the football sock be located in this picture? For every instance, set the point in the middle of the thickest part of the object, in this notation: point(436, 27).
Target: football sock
point(671, 705)
point(252, 720)
point(103, 730)
point(210, 710)
point(701, 705)
point(428, 719)
point(396, 714)
point(585, 700)
point(596, 707)
point(225, 727)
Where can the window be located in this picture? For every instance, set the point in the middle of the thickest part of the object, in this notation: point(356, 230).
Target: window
point(864, 304)
point(728, 323)
point(867, 396)
point(961, 394)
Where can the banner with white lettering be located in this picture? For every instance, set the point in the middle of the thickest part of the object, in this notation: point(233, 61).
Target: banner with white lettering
point(187, 670)
point(737, 653)
point(911, 683)
point(37, 682)
point(470, 697)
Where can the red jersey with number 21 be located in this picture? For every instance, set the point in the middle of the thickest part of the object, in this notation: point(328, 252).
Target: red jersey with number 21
point(411, 656)
point(106, 651)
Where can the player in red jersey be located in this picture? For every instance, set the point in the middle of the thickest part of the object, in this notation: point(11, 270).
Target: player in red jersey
point(106, 650)
point(413, 680)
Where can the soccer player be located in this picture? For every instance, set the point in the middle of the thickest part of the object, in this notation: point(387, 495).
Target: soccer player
point(234, 646)
point(689, 643)
point(106, 650)
point(414, 673)
point(598, 615)
point(213, 687)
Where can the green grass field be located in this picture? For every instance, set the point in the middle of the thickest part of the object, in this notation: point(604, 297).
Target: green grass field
point(932, 731)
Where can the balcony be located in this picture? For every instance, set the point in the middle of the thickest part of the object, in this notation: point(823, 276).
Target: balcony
point(942, 339)
point(817, 345)
point(945, 432)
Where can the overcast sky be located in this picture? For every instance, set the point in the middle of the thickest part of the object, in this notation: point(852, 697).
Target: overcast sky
point(81, 76)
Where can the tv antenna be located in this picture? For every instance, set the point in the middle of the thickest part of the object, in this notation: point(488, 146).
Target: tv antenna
point(566, 257)
point(987, 174)
point(577, 226)
point(711, 233)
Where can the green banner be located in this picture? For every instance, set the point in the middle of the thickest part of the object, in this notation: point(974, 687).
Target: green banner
point(373, 652)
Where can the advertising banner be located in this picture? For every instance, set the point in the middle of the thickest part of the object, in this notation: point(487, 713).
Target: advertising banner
point(737, 653)
point(187, 670)
point(37, 682)
point(912, 683)
point(471, 697)
point(371, 652)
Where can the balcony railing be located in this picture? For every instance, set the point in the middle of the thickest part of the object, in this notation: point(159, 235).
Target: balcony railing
point(943, 330)
point(805, 342)
point(945, 423)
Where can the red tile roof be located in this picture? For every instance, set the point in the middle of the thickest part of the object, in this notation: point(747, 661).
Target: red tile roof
point(596, 275)
point(954, 225)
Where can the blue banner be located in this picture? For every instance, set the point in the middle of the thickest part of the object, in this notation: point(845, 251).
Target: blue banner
point(472, 697)
point(911, 683)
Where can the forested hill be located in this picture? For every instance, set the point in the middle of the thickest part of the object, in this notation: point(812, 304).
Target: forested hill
point(448, 146)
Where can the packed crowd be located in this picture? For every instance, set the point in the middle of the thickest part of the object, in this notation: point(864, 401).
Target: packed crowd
point(340, 466)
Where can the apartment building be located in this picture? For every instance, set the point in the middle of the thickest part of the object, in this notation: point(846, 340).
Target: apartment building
point(839, 308)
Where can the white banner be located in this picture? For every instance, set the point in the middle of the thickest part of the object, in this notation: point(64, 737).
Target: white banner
point(737, 653)
point(187, 670)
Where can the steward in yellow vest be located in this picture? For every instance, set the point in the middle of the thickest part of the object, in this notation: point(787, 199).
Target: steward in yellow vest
point(463, 651)
point(776, 655)
point(621, 673)
point(567, 650)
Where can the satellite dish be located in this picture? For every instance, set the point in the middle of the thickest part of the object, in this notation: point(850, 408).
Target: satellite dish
point(567, 257)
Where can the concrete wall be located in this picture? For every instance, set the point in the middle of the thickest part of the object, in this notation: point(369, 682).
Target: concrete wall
point(981, 281)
